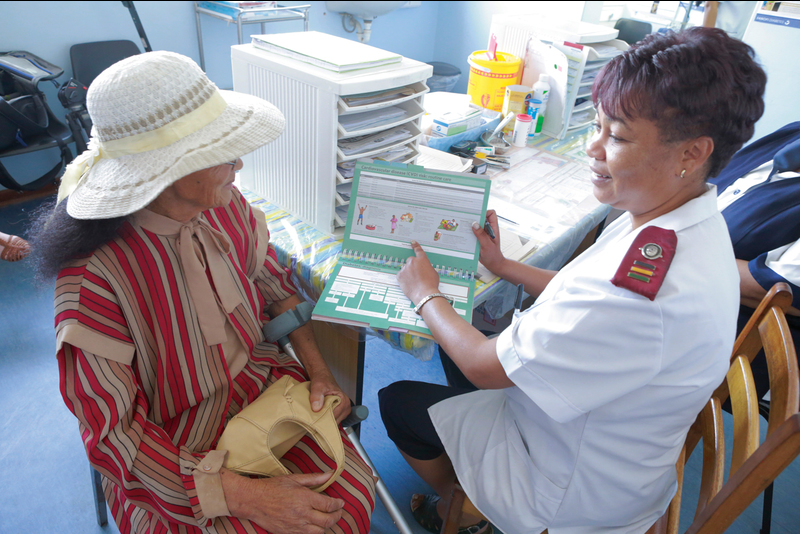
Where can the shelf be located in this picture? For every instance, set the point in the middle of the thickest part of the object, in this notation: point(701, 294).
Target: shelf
point(415, 134)
point(245, 15)
point(585, 105)
point(413, 111)
point(338, 222)
point(249, 15)
point(341, 179)
point(419, 89)
point(341, 199)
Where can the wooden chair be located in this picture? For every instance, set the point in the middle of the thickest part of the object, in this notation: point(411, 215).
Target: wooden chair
point(753, 466)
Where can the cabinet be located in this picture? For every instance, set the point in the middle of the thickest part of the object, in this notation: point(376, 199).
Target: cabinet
point(306, 170)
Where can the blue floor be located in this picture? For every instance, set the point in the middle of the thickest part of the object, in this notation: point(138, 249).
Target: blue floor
point(43, 468)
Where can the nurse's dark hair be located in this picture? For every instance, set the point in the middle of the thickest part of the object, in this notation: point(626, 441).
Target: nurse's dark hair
point(56, 237)
point(697, 82)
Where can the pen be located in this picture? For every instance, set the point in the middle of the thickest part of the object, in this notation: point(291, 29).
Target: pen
point(488, 228)
point(518, 300)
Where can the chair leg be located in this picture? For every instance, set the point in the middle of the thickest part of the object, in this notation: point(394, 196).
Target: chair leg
point(766, 514)
point(99, 498)
point(454, 508)
point(383, 492)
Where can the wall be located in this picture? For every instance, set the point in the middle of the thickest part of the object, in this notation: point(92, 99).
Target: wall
point(48, 29)
point(435, 31)
point(774, 37)
point(463, 27)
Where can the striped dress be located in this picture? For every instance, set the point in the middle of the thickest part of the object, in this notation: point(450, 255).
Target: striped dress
point(151, 395)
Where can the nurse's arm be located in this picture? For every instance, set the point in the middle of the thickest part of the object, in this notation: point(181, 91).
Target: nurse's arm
point(751, 290)
point(473, 353)
point(533, 278)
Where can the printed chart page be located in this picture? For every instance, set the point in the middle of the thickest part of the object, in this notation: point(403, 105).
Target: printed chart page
point(390, 206)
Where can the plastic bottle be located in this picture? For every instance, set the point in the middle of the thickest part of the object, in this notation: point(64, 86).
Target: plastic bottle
point(534, 110)
point(541, 91)
point(521, 130)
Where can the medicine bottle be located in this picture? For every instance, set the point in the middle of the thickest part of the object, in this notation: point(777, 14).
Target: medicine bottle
point(541, 92)
point(521, 129)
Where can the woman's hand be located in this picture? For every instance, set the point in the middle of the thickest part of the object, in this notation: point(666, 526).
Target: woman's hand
point(418, 278)
point(491, 255)
point(323, 384)
point(284, 504)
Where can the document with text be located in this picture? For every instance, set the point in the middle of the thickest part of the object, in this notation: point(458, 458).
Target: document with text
point(390, 205)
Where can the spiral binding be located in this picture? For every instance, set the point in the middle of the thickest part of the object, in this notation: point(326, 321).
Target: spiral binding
point(397, 263)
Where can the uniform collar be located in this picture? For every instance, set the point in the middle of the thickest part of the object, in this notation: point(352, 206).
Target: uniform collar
point(693, 212)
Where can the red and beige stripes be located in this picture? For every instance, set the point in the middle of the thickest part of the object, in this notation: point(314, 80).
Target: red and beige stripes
point(150, 397)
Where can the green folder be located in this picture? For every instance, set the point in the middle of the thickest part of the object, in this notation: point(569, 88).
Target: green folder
point(390, 205)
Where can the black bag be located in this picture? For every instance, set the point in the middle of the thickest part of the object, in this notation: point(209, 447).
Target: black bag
point(25, 118)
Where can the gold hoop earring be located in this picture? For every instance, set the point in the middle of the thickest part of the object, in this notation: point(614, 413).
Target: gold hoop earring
point(683, 173)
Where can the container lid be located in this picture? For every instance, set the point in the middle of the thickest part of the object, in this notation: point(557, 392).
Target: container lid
point(444, 69)
point(524, 117)
point(543, 78)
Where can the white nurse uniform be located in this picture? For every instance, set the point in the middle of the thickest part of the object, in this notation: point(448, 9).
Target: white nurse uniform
point(607, 386)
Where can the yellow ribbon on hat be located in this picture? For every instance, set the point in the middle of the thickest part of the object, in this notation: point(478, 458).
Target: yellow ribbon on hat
point(139, 143)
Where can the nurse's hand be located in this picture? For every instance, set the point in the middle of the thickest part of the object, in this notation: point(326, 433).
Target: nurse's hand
point(418, 278)
point(491, 255)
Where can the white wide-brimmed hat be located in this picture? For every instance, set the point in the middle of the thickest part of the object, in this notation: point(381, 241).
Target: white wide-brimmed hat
point(156, 118)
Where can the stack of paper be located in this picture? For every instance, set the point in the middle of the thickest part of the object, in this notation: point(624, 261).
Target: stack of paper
point(436, 160)
point(375, 97)
point(372, 119)
point(347, 168)
point(368, 143)
point(326, 51)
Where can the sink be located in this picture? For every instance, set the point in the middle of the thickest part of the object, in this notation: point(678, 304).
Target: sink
point(364, 10)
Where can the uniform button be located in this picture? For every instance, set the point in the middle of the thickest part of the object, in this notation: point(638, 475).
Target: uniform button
point(736, 192)
point(206, 468)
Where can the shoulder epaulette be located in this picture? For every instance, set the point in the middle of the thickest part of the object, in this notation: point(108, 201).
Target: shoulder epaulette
point(646, 263)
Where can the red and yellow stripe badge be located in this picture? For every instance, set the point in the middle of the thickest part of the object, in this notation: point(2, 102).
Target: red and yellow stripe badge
point(645, 265)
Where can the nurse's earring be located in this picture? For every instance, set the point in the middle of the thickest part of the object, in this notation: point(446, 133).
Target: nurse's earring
point(683, 173)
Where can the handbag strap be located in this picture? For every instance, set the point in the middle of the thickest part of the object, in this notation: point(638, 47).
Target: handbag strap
point(327, 420)
point(38, 126)
point(8, 181)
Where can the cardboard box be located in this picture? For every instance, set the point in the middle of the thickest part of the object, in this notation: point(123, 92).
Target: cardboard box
point(516, 102)
point(455, 123)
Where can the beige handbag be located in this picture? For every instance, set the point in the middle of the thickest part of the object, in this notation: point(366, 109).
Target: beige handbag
point(258, 436)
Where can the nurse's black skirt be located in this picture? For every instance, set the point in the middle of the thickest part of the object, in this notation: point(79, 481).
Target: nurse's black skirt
point(404, 410)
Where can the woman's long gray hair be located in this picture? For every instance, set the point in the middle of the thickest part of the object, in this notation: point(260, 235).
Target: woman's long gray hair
point(56, 238)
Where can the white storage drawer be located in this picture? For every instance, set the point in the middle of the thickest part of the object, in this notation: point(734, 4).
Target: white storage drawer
point(298, 171)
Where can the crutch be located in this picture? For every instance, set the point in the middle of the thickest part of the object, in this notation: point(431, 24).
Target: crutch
point(278, 329)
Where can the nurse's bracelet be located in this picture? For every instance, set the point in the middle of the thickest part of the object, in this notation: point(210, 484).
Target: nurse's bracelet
point(419, 306)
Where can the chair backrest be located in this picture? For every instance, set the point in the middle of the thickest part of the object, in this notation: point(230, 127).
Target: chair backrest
point(753, 466)
point(632, 31)
point(90, 59)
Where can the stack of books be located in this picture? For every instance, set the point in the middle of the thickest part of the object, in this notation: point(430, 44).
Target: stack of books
point(325, 51)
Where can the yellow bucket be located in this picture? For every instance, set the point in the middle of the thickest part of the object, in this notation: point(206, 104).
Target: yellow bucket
point(488, 79)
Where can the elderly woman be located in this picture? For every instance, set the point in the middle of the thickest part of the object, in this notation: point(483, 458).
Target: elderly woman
point(164, 276)
point(586, 399)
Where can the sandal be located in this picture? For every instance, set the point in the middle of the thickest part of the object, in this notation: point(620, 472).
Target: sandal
point(423, 508)
point(13, 248)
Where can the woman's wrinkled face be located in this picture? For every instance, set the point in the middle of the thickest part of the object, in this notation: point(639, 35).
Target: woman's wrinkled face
point(207, 188)
point(633, 169)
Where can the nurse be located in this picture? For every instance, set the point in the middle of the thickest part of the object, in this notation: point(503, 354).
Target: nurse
point(572, 418)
